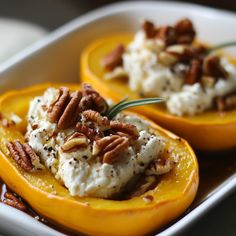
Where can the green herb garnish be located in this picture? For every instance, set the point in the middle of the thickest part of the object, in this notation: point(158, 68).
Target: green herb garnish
point(220, 46)
point(124, 104)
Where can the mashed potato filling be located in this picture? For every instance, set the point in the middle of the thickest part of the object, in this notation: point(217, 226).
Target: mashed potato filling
point(79, 170)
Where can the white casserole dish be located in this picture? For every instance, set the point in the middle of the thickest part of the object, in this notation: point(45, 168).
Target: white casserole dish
point(56, 59)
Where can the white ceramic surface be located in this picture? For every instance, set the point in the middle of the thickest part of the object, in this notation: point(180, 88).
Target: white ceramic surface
point(55, 58)
point(17, 35)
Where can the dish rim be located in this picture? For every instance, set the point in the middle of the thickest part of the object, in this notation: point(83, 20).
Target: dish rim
point(215, 197)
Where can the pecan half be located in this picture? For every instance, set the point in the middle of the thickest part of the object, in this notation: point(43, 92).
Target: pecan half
point(212, 67)
point(12, 200)
point(114, 58)
point(194, 72)
point(149, 29)
point(91, 133)
point(185, 31)
point(92, 100)
point(102, 122)
point(23, 155)
point(110, 148)
point(167, 34)
point(75, 141)
point(56, 109)
point(129, 129)
point(71, 112)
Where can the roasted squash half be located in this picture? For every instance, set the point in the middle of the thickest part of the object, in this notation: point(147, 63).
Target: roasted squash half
point(207, 131)
point(170, 198)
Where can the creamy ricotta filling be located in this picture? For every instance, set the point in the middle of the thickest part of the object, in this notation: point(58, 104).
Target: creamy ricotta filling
point(150, 78)
point(81, 172)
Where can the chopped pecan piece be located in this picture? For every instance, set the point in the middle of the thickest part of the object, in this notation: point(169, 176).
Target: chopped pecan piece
point(185, 31)
point(167, 58)
point(71, 112)
point(6, 122)
point(110, 148)
point(146, 184)
point(194, 72)
point(159, 167)
point(167, 34)
point(92, 100)
point(230, 101)
point(23, 155)
point(148, 198)
point(91, 133)
point(186, 53)
point(12, 200)
point(220, 104)
point(114, 58)
point(126, 128)
point(225, 103)
point(75, 141)
point(101, 121)
point(208, 81)
point(56, 109)
point(212, 67)
point(149, 29)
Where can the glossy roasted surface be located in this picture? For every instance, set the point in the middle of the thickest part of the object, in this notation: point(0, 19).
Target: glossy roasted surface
point(52, 14)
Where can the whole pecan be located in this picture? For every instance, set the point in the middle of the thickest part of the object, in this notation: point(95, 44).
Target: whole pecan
point(22, 154)
point(194, 72)
point(57, 108)
point(109, 148)
point(102, 122)
point(149, 29)
point(129, 129)
point(114, 58)
point(11, 200)
point(212, 67)
point(71, 112)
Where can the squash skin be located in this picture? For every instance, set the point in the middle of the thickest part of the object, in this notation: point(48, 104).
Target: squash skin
point(209, 131)
point(174, 193)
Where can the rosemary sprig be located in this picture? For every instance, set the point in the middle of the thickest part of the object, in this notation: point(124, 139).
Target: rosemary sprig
point(124, 104)
point(220, 46)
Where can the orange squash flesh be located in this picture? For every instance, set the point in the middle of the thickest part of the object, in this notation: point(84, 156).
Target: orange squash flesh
point(207, 131)
point(171, 197)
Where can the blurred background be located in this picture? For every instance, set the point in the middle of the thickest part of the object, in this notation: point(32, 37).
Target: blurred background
point(53, 13)
point(50, 14)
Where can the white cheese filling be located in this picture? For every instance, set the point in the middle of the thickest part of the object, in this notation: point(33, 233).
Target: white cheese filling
point(150, 78)
point(82, 173)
